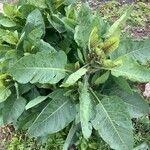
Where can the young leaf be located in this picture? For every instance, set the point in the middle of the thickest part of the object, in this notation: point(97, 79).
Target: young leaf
point(102, 79)
point(10, 10)
point(93, 39)
point(73, 78)
point(85, 110)
point(116, 26)
point(43, 68)
point(13, 108)
point(111, 44)
point(55, 116)
point(35, 101)
point(113, 122)
point(6, 22)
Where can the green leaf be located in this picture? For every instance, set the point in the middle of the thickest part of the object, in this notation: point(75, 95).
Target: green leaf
point(36, 101)
point(132, 70)
point(137, 50)
point(13, 108)
point(143, 146)
point(11, 37)
point(135, 103)
point(39, 3)
point(4, 93)
point(85, 110)
point(93, 39)
point(44, 46)
point(117, 24)
point(70, 136)
point(73, 78)
point(41, 67)
point(102, 79)
point(123, 84)
point(6, 22)
point(86, 22)
point(57, 23)
point(113, 122)
point(34, 21)
point(10, 10)
point(26, 9)
point(55, 116)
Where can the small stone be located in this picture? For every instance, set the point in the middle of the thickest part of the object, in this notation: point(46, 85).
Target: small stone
point(146, 93)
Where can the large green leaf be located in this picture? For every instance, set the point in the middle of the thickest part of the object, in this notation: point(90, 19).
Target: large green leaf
point(85, 110)
point(42, 67)
point(131, 70)
point(136, 104)
point(137, 50)
point(73, 78)
point(113, 122)
point(55, 116)
point(13, 108)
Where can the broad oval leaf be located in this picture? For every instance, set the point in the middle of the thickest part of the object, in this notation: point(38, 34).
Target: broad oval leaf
point(41, 67)
point(55, 116)
point(13, 108)
point(113, 123)
point(73, 78)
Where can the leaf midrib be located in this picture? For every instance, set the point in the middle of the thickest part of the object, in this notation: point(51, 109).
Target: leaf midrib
point(49, 115)
point(108, 117)
point(134, 51)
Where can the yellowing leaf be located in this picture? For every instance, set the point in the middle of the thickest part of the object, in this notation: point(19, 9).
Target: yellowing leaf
point(111, 44)
point(94, 39)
